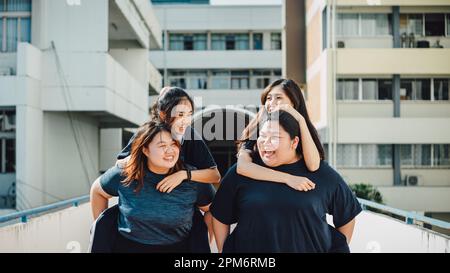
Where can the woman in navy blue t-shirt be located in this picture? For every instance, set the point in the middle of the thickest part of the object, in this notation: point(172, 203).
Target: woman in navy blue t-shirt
point(150, 220)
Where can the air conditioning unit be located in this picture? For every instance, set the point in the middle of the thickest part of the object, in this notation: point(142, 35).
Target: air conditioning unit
point(412, 180)
point(340, 44)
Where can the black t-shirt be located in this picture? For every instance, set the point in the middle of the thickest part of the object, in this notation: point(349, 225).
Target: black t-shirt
point(193, 150)
point(272, 217)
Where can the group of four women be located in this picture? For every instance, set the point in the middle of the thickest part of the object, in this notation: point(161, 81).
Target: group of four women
point(278, 193)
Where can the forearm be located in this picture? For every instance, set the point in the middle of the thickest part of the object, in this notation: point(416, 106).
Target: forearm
point(210, 176)
point(221, 232)
point(249, 169)
point(310, 152)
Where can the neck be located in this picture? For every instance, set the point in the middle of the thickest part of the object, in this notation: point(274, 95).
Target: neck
point(157, 170)
point(294, 159)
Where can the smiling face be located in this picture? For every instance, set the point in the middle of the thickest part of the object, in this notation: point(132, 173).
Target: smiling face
point(162, 152)
point(275, 146)
point(275, 97)
point(182, 117)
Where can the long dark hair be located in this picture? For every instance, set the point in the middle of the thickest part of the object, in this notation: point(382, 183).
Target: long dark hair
point(293, 92)
point(166, 101)
point(135, 168)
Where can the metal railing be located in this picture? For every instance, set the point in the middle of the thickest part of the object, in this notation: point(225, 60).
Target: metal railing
point(410, 216)
point(25, 214)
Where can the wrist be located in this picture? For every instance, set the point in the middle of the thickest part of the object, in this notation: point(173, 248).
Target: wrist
point(286, 178)
point(183, 174)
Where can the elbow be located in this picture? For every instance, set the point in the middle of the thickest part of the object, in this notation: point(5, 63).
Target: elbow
point(217, 177)
point(313, 166)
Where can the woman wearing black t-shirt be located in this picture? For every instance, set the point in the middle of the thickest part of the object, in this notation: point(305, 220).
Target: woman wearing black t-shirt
point(272, 217)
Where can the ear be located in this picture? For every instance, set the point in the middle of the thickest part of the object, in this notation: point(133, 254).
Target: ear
point(146, 151)
point(295, 143)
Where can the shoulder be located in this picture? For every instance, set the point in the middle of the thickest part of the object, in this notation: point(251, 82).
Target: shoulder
point(113, 173)
point(329, 174)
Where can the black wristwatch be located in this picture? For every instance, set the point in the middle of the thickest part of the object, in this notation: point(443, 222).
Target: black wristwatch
point(189, 175)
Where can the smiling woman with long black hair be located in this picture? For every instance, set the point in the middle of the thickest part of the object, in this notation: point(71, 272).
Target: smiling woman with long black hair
point(150, 220)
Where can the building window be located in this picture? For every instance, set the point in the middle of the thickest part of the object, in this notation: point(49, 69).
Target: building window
point(376, 89)
point(242, 42)
point(7, 141)
point(448, 24)
point(176, 42)
point(15, 24)
point(435, 24)
point(220, 80)
point(275, 41)
point(188, 42)
point(364, 155)
point(239, 79)
point(218, 41)
point(197, 80)
point(373, 155)
point(424, 155)
point(257, 41)
point(347, 24)
point(200, 41)
point(441, 89)
point(430, 24)
point(415, 89)
point(347, 89)
point(347, 155)
point(234, 41)
point(177, 78)
point(441, 155)
point(375, 24)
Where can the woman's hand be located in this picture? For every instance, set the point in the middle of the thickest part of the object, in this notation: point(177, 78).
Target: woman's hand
point(171, 182)
point(291, 110)
point(300, 183)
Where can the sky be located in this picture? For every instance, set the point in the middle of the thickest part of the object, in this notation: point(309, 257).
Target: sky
point(245, 2)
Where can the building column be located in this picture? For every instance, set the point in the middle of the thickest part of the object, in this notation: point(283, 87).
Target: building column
point(396, 147)
point(396, 26)
point(294, 40)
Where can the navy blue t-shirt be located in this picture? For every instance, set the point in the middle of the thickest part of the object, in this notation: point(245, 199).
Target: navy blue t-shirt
point(153, 217)
point(193, 152)
point(272, 217)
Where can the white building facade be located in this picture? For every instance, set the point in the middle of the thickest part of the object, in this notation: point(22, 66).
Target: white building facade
point(73, 74)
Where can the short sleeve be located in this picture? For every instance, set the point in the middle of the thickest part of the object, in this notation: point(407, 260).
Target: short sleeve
point(197, 153)
point(205, 194)
point(127, 150)
point(111, 180)
point(344, 205)
point(224, 206)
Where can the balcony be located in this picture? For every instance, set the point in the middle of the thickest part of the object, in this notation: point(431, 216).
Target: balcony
point(393, 130)
point(132, 21)
point(377, 61)
point(67, 230)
